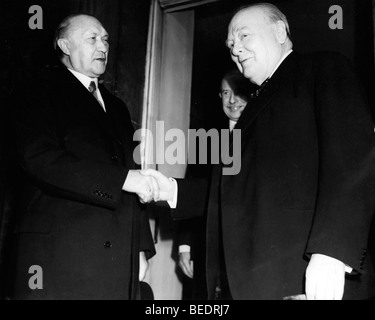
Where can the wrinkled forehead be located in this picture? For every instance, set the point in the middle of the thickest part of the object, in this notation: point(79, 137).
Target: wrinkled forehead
point(84, 24)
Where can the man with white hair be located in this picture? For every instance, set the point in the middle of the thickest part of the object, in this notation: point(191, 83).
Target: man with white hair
point(294, 223)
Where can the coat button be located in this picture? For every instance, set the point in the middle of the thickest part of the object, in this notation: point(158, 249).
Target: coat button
point(114, 157)
point(107, 245)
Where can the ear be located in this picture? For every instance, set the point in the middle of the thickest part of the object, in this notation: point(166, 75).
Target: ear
point(281, 33)
point(220, 95)
point(64, 46)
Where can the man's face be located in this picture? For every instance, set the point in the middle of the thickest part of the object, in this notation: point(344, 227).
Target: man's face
point(233, 103)
point(88, 45)
point(253, 44)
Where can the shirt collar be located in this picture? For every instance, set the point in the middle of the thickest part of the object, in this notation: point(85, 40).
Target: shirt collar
point(85, 80)
point(232, 124)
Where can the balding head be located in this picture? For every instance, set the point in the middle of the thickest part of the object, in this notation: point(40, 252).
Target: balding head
point(271, 13)
point(70, 23)
point(83, 43)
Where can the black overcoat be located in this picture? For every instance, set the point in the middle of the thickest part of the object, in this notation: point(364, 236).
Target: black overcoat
point(75, 221)
point(306, 183)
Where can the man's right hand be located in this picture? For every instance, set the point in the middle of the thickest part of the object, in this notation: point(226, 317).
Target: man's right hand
point(144, 186)
point(166, 186)
point(186, 264)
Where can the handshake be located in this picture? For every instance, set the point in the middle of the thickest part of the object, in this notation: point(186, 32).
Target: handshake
point(149, 185)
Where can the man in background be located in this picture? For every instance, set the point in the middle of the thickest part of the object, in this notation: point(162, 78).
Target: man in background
point(234, 96)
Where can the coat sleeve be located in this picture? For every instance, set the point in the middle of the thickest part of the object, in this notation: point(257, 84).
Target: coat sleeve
point(345, 195)
point(146, 240)
point(192, 198)
point(54, 169)
point(184, 233)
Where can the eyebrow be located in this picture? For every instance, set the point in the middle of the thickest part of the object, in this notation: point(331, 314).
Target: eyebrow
point(236, 30)
point(91, 32)
point(242, 28)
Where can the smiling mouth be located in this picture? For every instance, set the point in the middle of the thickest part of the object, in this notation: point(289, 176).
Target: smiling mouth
point(246, 60)
point(235, 108)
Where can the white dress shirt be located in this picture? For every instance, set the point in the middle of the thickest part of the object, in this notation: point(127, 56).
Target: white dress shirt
point(232, 124)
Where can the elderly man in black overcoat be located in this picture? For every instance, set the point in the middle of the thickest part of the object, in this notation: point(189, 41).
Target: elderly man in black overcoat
point(295, 221)
point(81, 233)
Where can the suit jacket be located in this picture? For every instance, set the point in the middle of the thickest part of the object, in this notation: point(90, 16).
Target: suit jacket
point(306, 184)
point(75, 221)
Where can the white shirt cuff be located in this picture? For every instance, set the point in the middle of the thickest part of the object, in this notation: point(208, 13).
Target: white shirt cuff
point(348, 269)
point(183, 248)
point(173, 203)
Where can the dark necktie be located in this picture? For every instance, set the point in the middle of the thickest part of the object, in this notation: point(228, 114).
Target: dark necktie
point(92, 89)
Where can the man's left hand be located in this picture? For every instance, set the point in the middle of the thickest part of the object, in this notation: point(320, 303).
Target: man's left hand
point(325, 278)
point(143, 266)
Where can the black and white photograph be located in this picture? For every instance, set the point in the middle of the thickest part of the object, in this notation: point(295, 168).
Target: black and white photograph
point(187, 153)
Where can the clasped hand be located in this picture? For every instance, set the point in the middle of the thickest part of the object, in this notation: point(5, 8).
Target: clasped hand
point(149, 185)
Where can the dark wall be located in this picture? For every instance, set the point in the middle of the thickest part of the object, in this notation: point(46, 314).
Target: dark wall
point(22, 51)
point(310, 32)
point(132, 46)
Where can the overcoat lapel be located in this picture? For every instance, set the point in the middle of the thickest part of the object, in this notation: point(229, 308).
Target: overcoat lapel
point(123, 134)
point(114, 117)
point(257, 105)
point(86, 100)
point(254, 107)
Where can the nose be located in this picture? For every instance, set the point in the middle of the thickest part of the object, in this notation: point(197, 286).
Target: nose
point(102, 45)
point(232, 99)
point(237, 48)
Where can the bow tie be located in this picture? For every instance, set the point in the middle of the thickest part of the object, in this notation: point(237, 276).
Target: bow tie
point(258, 91)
